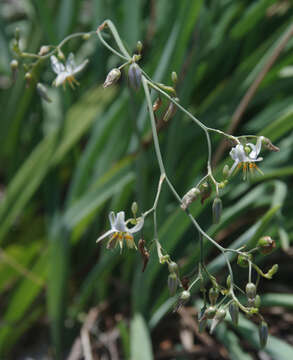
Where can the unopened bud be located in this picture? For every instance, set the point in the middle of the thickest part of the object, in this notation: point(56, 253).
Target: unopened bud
point(174, 77)
point(86, 36)
point(243, 260)
point(234, 312)
point(228, 281)
point(173, 267)
point(14, 68)
point(139, 47)
point(205, 191)
point(250, 290)
point(263, 332)
point(134, 76)
point(266, 245)
point(43, 92)
point(60, 54)
point(44, 50)
point(217, 210)
point(257, 301)
point(213, 295)
point(189, 197)
point(183, 298)
point(170, 112)
point(185, 295)
point(172, 283)
point(220, 316)
point(134, 208)
point(112, 77)
point(28, 78)
point(210, 312)
point(226, 171)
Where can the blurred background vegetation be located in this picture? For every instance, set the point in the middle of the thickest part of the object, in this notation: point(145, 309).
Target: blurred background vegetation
point(64, 165)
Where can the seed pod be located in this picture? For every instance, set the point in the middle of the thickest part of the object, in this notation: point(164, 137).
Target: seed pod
point(43, 92)
point(217, 210)
point(266, 245)
point(263, 332)
point(134, 76)
point(242, 260)
point(210, 312)
point(170, 112)
point(112, 77)
point(234, 312)
point(213, 295)
point(172, 283)
point(220, 316)
point(250, 290)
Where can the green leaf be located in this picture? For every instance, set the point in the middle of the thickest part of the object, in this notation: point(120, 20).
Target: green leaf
point(140, 342)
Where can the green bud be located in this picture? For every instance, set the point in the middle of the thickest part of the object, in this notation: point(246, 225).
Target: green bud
point(174, 77)
point(112, 77)
point(134, 76)
point(14, 68)
point(257, 301)
point(234, 312)
point(213, 295)
point(28, 78)
point(86, 36)
point(226, 171)
point(173, 267)
point(263, 332)
point(44, 50)
point(266, 245)
point(228, 281)
point(134, 208)
point(217, 210)
point(172, 283)
point(250, 290)
point(185, 295)
point(43, 92)
point(60, 54)
point(247, 149)
point(139, 47)
point(242, 260)
point(210, 312)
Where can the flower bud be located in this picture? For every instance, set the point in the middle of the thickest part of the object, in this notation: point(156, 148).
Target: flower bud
point(86, 36)
point(250, 290)
point(185, 295)
point(170, 112)
point(257, 301)
point(266, 245)
point(217, 210)
point(42, 91)
point(112, 77)
point(28, 78)
point(263, 332)
point(139, 47)
point(174, 77)
point(189, 197)
point(44, 50)
point(213, 295)
point(172, 283)
point(210, 312)
point(226, 171)
point(60, 54)
point(134, 208)
point(228, 281)
point(220, 316)
point(205, 191)
point(134, 76)
point(242, 260)
point(14, 68)
point(173, 267)
point(234, 312)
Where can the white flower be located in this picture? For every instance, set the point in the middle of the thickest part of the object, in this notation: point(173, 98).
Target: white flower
point(66, 72)
point(246, 159)
point(119, 231)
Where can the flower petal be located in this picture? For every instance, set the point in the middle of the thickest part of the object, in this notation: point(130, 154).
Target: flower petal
point(57, 66)
point(112, 219)
point(120, 222)
point(70, 63)
point(236, 162)
point(107, 233)
point(80, 67)
point(60, 78)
